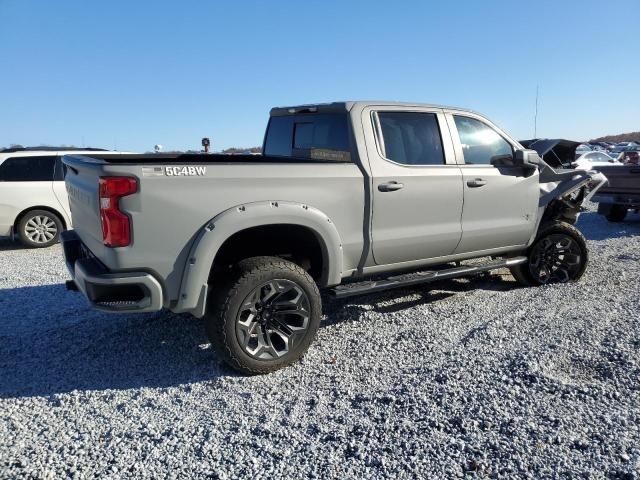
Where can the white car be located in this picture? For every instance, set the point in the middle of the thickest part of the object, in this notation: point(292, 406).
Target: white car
point(33, 200)
point(590, 160)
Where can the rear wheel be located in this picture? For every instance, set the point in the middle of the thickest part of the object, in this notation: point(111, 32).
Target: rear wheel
point(39, 228)
point(559, 254)
point(266, 315)
point(617, 213)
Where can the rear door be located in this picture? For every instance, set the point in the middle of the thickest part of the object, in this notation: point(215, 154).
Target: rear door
point(500, 200)
point(417, 186)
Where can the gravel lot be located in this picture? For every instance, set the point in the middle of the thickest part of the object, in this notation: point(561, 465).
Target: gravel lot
point(463, 378)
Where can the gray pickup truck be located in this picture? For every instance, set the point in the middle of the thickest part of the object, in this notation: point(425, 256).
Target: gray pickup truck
point(403, 193)
point(621, 192)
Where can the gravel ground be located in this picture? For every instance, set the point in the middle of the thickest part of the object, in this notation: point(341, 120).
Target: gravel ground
point(463, 378)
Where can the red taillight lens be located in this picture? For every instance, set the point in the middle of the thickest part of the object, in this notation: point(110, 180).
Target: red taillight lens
point(116, 226)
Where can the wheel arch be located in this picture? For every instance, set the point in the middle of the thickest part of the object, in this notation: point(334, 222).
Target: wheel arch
point(220, 229)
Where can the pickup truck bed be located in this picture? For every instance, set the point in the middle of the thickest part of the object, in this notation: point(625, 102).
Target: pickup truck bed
point(621, 193)
point(167, 223)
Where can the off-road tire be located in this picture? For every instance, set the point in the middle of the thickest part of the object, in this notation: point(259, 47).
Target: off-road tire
point(49, 223)
point(617, 213)
point(227, 301)
point(523, 274)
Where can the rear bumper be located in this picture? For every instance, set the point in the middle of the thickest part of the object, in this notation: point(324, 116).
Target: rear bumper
point(112, 292)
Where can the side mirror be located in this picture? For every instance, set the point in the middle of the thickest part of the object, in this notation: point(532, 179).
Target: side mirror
point(526, 159)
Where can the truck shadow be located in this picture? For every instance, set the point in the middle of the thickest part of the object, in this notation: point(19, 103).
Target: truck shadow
point(52, 342)
point(402, 298)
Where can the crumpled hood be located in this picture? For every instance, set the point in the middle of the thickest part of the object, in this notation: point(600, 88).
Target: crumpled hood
point(557, 153)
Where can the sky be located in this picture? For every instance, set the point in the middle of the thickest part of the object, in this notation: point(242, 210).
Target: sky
point(132, 74)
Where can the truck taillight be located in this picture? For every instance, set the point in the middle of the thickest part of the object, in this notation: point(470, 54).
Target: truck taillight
point(116, 225)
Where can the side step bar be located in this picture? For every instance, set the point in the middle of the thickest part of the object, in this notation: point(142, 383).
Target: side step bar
point(408, 280)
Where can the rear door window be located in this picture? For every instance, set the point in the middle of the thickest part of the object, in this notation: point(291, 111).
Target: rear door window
point(27, 169)
point(411, 138)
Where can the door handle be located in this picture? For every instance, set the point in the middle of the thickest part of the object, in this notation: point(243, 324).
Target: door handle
point(476, 182)
point(390, 186)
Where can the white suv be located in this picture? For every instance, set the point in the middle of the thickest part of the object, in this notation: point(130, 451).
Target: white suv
point(33, 199)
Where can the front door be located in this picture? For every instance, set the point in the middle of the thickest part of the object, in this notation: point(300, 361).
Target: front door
point(417, 187)
point(500, 201)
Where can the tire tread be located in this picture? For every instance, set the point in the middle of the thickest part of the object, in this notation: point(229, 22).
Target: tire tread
point(249, 270)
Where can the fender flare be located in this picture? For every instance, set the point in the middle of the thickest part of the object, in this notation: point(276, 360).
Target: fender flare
point(194, 285)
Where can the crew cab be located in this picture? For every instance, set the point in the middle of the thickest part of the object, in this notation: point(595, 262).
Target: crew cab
point(343, 192)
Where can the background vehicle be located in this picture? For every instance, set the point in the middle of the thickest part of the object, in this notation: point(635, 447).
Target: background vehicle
point(620, 194)
point(616, 151)
point(593, 160)
point(33, 199)
point(344, 191)
point(582, 149)
point(598, 145)
point(631, 155)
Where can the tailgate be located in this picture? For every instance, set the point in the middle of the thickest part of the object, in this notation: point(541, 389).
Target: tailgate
point(622, 180)
point(81, 181)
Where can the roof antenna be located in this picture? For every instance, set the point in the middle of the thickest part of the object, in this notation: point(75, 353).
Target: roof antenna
point(535, 117)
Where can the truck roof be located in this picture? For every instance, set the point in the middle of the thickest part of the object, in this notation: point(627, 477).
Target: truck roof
point(347, 106)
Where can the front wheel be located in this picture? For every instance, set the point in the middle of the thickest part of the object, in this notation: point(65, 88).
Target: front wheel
point(265, 317)
point(558, 255)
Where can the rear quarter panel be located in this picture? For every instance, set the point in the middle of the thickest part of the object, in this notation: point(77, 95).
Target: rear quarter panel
point(169, 212)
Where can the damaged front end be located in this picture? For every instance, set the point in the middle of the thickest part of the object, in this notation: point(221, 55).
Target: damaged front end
point(563, 191)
